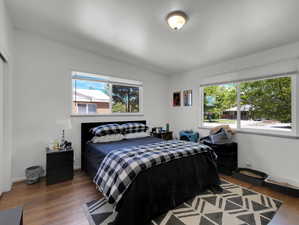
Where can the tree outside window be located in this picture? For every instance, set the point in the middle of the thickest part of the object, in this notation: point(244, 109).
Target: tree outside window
point(125, 99)
point(264, 104)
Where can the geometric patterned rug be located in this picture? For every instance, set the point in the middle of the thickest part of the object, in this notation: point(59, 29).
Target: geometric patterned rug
point(236, 205)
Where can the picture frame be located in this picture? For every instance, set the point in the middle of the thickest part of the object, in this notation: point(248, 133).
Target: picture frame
point(177, 99)
point(187, 97)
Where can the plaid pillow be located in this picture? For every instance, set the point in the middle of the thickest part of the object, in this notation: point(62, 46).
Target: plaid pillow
point(107, 129)
point(134, 128)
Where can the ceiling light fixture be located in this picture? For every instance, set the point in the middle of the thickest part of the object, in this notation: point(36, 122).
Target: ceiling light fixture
point(177, 19)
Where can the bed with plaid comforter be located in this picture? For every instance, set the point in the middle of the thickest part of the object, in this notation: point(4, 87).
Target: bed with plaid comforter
point(120, 167)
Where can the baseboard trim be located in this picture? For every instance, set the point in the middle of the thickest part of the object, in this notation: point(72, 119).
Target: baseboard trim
point(22, 179)
point(18, 180)
point(286, 180)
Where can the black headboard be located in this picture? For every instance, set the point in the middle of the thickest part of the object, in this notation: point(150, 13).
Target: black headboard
point(86, 136)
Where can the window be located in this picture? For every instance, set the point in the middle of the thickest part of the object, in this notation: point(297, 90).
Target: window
point(220, 105)
point(87, 108)
point(264, 104)
point(125, 98)
point(95, 94)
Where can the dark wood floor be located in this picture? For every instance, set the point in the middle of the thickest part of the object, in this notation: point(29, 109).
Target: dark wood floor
point(61, 204)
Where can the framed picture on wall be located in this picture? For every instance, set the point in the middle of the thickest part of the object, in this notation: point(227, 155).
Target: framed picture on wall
point(177, 99)
point(187, 96)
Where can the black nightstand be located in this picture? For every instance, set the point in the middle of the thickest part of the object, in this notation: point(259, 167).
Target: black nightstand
point(164, 135)
point(227, 159)
point(60, 166)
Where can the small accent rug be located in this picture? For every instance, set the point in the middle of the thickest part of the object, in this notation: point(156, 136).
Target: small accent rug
point(236, 205)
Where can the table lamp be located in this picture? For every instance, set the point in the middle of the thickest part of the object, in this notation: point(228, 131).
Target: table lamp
point(64, 125)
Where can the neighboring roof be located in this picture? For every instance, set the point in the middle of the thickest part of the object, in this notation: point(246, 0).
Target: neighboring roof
point(86, 95)
point(243, 108)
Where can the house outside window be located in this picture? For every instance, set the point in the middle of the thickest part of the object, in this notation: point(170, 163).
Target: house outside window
point(86, 108)
point(100, 95)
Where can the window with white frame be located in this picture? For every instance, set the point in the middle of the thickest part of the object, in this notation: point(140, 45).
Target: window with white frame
point(261, 104)
point(86, 108)
point(96, 94)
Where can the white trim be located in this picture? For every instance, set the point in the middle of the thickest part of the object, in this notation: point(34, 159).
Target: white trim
point(111, 81)
point(110, 98)
point(201, 111)
point(127, 83)
point(284, 180)
point(18, 179)
point(141, 100)
point(267, 131)
point(260, 132)
point(107, 115)
point(107, 79)
point(265, 77)
point(238, 106)
point(295, 105)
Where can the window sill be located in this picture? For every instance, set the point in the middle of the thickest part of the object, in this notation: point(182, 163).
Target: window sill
point(107, 115)
point(262, 133)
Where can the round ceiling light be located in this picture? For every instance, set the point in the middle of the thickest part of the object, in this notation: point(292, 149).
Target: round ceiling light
point(177, 19)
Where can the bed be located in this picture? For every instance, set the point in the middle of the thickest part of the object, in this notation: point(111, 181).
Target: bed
point(155, 190)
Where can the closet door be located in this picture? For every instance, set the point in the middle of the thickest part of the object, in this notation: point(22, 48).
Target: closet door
point(1, 122)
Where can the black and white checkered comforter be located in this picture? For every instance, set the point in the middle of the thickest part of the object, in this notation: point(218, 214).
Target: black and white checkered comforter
point(120, 167)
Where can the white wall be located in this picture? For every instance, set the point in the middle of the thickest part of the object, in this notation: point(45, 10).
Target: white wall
point(4, 30)
point(42, 95)
point(6, 49)
point(1, 126)
point(276, 156)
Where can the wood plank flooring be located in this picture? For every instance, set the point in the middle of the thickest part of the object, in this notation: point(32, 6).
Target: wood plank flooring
point(61, 204)
point(54, 204)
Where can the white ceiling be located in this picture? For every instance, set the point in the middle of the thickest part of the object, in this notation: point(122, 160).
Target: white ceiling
point(135, 31)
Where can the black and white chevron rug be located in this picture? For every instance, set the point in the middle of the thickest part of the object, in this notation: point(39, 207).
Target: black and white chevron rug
point(236, 205)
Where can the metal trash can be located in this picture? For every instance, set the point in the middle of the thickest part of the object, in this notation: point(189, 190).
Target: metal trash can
point(33, 174)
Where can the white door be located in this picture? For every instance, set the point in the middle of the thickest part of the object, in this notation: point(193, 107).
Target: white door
point(1, 123)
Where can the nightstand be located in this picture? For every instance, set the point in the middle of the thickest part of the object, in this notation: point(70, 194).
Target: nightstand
point(227, 160)
point(164, 135)
point(60, 166)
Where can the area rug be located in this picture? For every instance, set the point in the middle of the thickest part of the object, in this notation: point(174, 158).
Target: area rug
point(236, 205)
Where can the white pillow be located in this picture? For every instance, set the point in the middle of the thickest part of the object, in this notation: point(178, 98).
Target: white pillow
point(107, 138)
point(136, 135)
